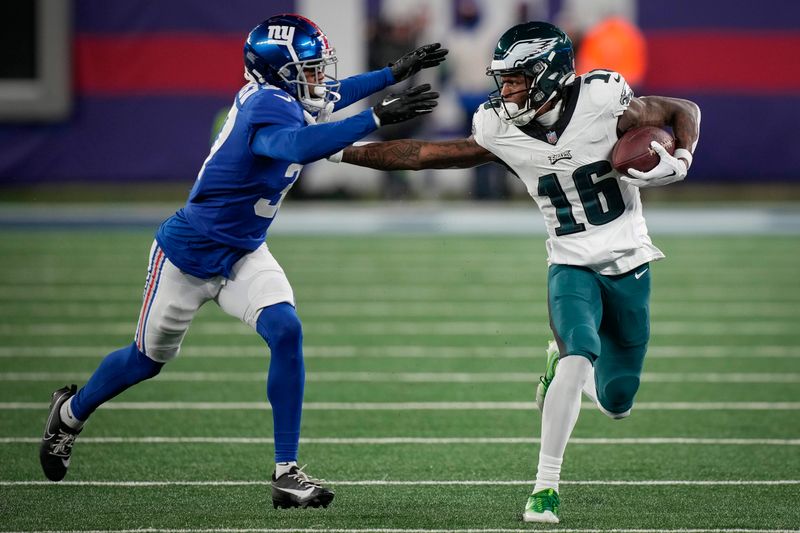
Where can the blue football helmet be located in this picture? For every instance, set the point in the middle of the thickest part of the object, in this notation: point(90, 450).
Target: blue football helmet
point(541, 52)
point(291, 52)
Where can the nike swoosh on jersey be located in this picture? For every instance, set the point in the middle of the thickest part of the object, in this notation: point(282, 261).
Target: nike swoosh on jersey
point(287, 98)
point(387, 101)
point(299, 493)
point(638, 275)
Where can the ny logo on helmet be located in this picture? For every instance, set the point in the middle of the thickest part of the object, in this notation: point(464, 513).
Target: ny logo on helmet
point(280, 33)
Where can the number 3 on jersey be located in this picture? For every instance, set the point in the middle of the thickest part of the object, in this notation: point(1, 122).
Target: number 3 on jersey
point(267, 207)
point(589, 193)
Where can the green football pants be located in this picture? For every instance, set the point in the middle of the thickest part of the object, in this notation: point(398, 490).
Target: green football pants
point(607, 320)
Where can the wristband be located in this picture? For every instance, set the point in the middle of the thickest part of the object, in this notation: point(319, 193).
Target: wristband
point(683, 153)
point(337, 157)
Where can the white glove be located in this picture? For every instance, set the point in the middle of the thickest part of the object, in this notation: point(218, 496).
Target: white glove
point(337, 157)
point(669, 169)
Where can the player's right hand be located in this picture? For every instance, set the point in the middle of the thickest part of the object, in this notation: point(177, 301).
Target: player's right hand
point(669, 170)
point(413, 102)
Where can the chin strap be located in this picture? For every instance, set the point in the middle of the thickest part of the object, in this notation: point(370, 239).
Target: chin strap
point(549, 118)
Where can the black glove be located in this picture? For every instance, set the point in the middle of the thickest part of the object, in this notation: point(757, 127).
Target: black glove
point(408, 104)
point(426, 56)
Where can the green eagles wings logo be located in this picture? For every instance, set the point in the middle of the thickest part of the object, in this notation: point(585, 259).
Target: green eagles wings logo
point(523, 51)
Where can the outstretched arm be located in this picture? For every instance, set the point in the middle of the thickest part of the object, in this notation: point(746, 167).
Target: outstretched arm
point(303, 144)
point(410, 154)
point(360, 86)
point(683, 117)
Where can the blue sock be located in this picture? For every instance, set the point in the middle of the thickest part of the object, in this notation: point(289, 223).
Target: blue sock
point(118, 371)
point(280, 326)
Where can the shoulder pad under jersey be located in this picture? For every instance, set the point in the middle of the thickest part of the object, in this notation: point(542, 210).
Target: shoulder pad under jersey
point(485, 124)
point(607, 90)
point(271, 105)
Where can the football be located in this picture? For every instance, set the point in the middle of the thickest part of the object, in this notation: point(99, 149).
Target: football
point(633, 149)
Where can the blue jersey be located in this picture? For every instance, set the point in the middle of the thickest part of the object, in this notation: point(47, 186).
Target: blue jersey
point(255, 160)
point(237, 194)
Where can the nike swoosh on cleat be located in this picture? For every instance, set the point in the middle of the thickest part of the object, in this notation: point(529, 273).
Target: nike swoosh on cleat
point(299, 493)
point(47, 434)
point(387, 102)
point(638, 275)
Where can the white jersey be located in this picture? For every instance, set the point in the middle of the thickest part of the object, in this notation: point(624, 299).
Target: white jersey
point(593, 218)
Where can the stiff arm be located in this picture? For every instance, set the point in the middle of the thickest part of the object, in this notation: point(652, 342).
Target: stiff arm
point(411, 154)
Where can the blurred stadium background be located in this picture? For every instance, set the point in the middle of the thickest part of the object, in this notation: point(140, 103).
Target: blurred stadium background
point(123, 95)
point(423, 348)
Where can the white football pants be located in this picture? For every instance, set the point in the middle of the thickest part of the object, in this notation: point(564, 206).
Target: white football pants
point(172, 297)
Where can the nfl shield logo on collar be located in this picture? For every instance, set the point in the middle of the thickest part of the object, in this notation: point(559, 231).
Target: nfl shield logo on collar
point(552, 137)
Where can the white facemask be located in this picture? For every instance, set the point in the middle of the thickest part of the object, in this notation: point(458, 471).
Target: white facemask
point(508, 113)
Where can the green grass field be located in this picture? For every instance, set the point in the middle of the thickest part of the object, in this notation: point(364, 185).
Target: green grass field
point(422, 356)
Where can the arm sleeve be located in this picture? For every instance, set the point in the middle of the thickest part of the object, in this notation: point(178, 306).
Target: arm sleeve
point(304, 144)
point(360, 86)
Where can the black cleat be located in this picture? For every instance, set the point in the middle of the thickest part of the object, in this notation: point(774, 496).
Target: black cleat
point(58, 438)
point(296, 489)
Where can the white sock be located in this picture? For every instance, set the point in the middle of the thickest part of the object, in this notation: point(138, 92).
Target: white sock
point(561, 408)
point(590, 388)
point(282, 468)
point(548, 473)
point(67, 417)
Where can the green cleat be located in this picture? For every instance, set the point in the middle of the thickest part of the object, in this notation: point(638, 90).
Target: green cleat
point(549, 374)
point(542, 506)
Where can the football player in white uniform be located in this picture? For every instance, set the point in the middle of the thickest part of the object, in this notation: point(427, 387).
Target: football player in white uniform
point(555, 131)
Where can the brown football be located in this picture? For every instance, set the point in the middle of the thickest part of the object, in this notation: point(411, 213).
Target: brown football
point(633, 149)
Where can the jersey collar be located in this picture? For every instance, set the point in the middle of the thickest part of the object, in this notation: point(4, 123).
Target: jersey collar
point(552, 134)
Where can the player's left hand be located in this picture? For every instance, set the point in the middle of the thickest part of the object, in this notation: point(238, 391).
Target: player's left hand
point(669, 170)
point(426, 56)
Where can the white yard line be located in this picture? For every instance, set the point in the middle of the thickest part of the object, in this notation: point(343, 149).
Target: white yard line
point(435, 292)
point(417, 440)
point(410, 406)
point(417, 483)
point(415, 377)
point(390, 530)
point(439, 328)
point(414, 351)
point(534, 310)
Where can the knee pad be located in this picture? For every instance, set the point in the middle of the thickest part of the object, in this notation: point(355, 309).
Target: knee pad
point(616, 397)
point(279, 325)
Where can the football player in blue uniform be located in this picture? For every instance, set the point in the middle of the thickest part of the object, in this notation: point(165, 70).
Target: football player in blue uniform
point(214, 247)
